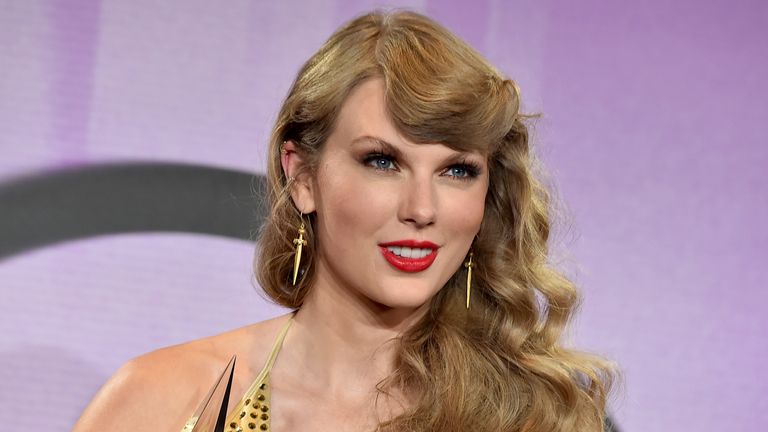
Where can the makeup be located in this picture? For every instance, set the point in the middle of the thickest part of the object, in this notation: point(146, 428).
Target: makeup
point(409, 256)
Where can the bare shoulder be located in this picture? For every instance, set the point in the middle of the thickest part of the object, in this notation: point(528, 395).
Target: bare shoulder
point(160, 390)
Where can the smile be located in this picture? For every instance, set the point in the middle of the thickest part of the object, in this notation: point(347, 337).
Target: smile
point(409, 255)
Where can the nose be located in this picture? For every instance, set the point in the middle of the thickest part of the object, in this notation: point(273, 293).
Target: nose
point(418, 205)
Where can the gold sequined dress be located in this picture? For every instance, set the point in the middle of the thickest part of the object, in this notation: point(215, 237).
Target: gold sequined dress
point(252, 412)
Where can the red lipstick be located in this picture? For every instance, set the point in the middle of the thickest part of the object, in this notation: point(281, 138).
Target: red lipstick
point(409, 265)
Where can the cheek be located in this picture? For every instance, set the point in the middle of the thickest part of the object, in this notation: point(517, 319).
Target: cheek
point(350, 204)
point(465, 213)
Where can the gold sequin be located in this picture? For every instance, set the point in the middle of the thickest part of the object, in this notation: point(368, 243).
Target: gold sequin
point(253, 410)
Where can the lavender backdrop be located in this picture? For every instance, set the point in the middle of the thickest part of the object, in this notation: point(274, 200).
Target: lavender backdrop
point(653, 130)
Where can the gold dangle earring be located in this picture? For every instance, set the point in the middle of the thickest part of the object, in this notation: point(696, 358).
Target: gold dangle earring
point(468, 265)
point(299, 242)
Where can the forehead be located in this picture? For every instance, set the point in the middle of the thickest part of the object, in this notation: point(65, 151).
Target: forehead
point(364, 112)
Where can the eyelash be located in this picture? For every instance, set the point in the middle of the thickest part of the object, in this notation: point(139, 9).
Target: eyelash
point(471, 169)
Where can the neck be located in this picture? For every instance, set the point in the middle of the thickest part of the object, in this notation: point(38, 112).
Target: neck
point(345, 342)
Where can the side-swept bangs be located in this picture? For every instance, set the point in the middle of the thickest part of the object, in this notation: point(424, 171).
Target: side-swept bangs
point(438, 89)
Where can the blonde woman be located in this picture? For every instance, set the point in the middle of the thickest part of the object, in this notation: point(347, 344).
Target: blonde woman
point(409, 235)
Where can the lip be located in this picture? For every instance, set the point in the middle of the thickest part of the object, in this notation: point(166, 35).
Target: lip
point(409, 265)
point(411, 244)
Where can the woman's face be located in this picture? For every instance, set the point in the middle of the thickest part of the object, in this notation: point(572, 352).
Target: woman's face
point(395, 219)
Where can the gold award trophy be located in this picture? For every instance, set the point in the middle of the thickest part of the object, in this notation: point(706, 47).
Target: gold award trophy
point(211, 414)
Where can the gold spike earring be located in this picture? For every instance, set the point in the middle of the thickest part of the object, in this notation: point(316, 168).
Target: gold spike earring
point(468, 265)
point(299, 242)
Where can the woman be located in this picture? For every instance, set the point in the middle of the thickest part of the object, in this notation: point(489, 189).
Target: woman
point(409, 233)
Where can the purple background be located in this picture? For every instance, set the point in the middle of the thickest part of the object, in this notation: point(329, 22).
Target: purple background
point(653, 129)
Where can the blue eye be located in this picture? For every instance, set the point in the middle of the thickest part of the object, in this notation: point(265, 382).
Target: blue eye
point(462, 171)
point(380, 162)
point(458, 171)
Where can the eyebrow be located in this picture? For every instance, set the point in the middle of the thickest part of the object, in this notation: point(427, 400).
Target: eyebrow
point(384, 145)
point(389, 148)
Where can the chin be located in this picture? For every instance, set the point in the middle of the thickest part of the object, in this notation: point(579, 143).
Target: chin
point(411, 298)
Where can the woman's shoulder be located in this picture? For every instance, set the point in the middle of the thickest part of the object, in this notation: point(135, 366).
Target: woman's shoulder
point(161, 389)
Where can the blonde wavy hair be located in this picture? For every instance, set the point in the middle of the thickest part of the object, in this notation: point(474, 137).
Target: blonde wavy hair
point(500, 366)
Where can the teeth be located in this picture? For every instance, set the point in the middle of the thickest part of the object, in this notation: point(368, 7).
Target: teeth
point(407, 252)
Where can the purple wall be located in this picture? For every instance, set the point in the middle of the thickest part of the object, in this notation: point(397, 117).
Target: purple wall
point(653, 129)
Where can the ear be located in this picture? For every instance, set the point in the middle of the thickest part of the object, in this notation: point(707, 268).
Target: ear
point(302, 187)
